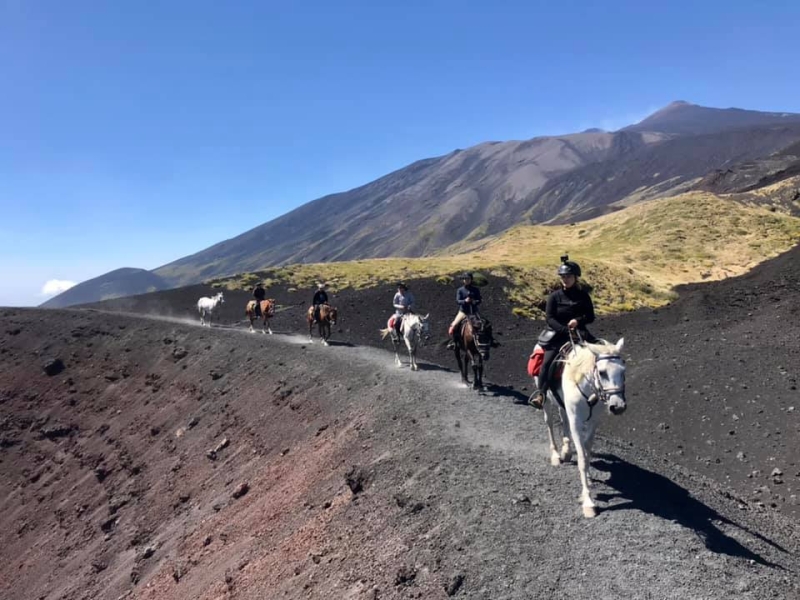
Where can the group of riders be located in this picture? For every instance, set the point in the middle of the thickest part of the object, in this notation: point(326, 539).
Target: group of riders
point(568, 311)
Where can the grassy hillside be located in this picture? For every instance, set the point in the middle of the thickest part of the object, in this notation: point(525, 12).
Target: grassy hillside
point(631, 258)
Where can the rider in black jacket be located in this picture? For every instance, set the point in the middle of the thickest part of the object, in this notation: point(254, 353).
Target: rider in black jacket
point(320, 298)
point(468, 298)
point(568, 309)
point(259, 293)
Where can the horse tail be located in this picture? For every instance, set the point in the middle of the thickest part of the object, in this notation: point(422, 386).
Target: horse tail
point(385, 332)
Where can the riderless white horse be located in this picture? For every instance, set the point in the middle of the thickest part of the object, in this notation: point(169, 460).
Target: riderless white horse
point(415, 330)
point(206, 307)
point(592, 372)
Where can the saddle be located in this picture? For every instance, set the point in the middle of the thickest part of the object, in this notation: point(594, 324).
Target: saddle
point(536, 360)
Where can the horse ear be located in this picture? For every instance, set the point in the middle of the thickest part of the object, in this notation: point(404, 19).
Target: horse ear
point(425, 318)
point(619, 344)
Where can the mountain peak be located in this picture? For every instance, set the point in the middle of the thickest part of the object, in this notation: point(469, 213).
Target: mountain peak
point(683, 118)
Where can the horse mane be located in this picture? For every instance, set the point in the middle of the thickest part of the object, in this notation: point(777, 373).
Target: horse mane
point(583, 362)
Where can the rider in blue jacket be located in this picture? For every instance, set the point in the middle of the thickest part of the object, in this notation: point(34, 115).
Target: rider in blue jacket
point(468, 298)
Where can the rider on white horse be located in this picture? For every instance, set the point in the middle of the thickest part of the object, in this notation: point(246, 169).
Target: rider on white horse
point(569, 308)
point(403, 303)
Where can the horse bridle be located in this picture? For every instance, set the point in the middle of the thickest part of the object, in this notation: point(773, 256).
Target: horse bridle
point(601, 393)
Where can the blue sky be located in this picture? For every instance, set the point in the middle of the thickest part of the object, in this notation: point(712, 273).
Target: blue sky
point(134, 133)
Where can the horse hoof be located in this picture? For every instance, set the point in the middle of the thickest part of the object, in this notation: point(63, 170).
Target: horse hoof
point(589, 512)
point(555, 460)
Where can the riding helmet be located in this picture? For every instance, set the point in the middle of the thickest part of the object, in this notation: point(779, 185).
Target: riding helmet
point(569, 267)
point(467, 275)
point(401, 284)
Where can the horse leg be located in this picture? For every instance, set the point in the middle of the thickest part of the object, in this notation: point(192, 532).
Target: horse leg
point(576, 418)
point(549, 421)
point(396, 348)
point(269, 329)
point(325, 333)
point(566, 451)
point(477, 371)
point(591, 428)
point(412, 351)
point(462, 365)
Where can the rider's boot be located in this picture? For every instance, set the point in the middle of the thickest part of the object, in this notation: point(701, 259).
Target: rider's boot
point(452, 343)
point(537, 399)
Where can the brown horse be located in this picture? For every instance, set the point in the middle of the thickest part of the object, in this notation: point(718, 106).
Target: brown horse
point(267, 312)
point(327, 317)
point(474, 340)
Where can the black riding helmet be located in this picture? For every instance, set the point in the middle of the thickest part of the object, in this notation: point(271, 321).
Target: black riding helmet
point(402, 284)
point(466, 275)
point(569, 267)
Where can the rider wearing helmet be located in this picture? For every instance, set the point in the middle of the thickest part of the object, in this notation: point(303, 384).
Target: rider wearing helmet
point(468, 298)
point(569, 308)
point(320, 298)
point(259, 293)
point(403, 303)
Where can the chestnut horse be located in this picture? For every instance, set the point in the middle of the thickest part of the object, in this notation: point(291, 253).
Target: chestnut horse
point(327, 317)
point(267, 312)
point(474, 341)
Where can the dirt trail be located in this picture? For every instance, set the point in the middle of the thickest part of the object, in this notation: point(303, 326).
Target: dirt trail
point(362, 481)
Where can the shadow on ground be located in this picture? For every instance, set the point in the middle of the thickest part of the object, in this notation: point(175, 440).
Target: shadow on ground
point(655, 494)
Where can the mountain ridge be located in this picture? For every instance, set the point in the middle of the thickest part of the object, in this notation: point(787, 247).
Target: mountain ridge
point(483, 190)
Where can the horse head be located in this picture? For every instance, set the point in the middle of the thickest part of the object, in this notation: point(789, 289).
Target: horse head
point(219, 298)
point(332, 315)
point(609, 376)
point(482, 334)
point(425, 327)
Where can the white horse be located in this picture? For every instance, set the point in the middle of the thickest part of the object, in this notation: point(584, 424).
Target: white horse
point(415, 330)
point(206, 306)
point(592, 372)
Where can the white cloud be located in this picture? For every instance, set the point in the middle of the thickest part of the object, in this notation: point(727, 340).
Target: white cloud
point(56, 286)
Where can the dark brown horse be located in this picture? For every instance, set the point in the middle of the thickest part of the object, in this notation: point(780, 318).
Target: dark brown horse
point(327, 317)
point(475, 341)
point(267, 312)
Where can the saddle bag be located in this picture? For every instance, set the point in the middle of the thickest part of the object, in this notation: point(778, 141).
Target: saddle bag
point(535, 361)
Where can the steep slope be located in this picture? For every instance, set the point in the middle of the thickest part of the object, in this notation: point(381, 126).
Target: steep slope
point(115, 284)
point(667, 168)
point(411, 212)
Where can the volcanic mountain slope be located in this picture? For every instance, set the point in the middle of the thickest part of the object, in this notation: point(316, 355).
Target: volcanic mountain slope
point(773, 181)
point(684, 118)
point(115, 284)
point(493, 186)
point(413, 211)
point(470, 194)
point(165, 461)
